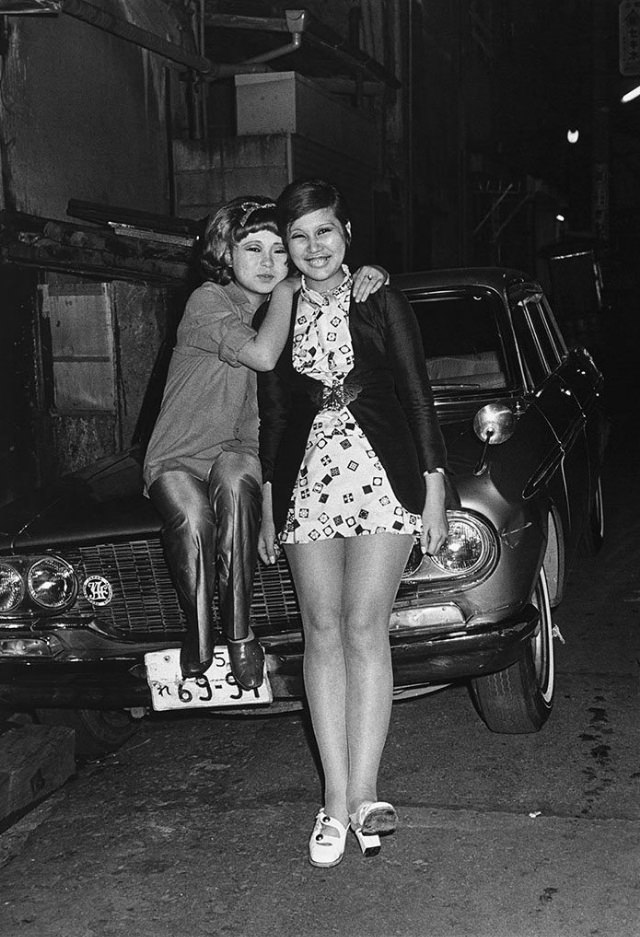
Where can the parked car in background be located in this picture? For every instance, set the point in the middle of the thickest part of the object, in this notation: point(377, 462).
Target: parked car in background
point(88, 613)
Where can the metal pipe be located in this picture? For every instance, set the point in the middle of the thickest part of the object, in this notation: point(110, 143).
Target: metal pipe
point(283, 24)
point(140, 37)
point(292, 46)
point(317, 36)
point(296, 21)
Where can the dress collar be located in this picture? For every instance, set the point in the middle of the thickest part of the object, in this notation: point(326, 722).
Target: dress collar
point(338, 292)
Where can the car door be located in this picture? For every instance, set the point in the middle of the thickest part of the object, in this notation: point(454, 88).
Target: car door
point(581, 374)
point(549, 375)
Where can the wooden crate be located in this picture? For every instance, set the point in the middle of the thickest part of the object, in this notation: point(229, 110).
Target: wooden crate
point(34, 761)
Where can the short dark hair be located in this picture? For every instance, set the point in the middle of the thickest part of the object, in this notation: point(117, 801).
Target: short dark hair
point(236, 219)
point(307, 195)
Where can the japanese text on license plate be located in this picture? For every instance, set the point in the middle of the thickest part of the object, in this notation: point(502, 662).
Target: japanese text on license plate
point(216, 687)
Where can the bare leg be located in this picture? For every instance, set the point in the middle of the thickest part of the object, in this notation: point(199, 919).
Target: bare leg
point(346, 590)
point(318, 575)
point(374, 565)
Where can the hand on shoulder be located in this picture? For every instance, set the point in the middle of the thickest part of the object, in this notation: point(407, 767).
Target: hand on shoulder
point(368, 280)
point(288, 286)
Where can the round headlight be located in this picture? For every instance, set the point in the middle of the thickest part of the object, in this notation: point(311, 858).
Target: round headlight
point(466, 548)
point(11, 588)
point(51, 582)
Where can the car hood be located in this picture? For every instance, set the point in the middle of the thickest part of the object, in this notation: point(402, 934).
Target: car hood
point(104, 501)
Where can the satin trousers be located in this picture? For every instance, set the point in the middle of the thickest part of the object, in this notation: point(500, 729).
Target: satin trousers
point(210, 538)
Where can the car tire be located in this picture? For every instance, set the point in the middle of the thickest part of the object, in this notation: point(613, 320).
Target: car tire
point(593, 535)
point(519, 699)
point(98, 731)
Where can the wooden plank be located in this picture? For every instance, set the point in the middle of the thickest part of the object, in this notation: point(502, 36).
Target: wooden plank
point(34, 761)
point(56, 245)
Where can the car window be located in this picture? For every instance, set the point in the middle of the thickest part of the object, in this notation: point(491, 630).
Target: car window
point(549, 350)
point(553, 327)
point(534, 364)
point(461, 338)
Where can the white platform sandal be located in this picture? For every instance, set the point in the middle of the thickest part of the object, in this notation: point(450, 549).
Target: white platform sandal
point(327, 842)
point(371, 820)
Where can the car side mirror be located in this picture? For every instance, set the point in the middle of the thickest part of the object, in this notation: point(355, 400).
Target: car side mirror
point(493, 424)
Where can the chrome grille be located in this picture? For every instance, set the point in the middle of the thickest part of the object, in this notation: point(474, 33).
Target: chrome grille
point(275, 605)
point(145, 602)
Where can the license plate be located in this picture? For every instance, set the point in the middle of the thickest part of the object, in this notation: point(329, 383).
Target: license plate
point(215, 688)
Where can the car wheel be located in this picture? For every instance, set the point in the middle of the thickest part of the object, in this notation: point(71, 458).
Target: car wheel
point(519, 699)
point(98, 731)
point(593, 534)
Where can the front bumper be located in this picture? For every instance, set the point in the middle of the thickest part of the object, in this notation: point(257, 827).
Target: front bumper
point(118, 681)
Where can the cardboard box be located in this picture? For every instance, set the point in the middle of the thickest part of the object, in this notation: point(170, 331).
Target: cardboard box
point(285, 102)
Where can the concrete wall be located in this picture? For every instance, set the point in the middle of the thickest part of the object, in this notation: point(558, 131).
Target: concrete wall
point(263, 165)
point(206, 176)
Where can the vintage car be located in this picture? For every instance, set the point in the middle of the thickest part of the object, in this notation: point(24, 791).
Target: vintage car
point(88, 612)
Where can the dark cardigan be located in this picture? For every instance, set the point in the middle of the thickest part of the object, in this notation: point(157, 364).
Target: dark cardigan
point(394, 406)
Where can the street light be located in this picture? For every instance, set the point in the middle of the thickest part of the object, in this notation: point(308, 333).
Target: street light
point(631, 95)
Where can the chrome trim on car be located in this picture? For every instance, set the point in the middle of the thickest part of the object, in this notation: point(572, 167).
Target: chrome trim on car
point(426, 618)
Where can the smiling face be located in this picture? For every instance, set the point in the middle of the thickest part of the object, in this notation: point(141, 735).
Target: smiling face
point(317, 244)
point(259, 261)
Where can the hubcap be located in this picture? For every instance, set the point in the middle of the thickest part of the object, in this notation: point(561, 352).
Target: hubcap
point(542, 640)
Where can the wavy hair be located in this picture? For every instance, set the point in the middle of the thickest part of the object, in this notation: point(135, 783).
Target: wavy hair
point(238, 218)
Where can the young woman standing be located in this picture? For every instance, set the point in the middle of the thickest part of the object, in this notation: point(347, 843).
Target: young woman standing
point(354, 467)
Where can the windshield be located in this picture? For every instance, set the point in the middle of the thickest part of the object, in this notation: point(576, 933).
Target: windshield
point(462, 344)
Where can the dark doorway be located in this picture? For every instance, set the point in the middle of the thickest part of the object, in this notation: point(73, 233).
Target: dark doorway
point(19, 463)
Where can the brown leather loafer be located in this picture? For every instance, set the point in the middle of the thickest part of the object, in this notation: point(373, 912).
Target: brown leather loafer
point(247, 662)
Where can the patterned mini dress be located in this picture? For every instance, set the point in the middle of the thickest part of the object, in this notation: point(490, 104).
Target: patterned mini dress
point(341, 489)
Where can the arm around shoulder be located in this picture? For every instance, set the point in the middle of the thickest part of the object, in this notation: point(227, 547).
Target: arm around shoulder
point(263, 350)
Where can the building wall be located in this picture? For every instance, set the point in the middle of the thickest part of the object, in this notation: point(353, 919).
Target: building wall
point(226, 167)
point(83, 114)
point(86, 115)
point(287, 128)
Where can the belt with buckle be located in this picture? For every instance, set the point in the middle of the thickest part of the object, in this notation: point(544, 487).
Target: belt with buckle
point(337, 396)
